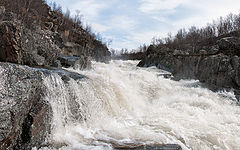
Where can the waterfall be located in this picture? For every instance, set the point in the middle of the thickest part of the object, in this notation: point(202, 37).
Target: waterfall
point(121, 104)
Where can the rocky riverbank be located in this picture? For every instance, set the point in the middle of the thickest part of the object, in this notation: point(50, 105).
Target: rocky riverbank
point(28, 54)
point(24, 113)
point(217, 69)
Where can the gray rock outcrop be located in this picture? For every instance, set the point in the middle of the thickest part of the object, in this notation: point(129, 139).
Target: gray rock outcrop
point(42, 47)
point(24, 46)
point(216, 70)
point(25, 115)
point(229, 43)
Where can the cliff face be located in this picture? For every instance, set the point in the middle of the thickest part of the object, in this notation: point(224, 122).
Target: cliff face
point(217, 70)
point(41, 39)
point(23, 46)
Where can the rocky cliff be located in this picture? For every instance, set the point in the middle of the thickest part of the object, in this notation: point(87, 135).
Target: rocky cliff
point(25, 53)
point(46, 40)
point(217, 70)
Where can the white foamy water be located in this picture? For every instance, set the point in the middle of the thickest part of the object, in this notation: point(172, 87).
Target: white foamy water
point(122, 104)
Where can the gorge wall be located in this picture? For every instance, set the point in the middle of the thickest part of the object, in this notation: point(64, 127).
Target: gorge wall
point(218, 70)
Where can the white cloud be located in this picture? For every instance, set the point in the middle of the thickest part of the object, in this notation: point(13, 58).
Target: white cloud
point(123, 20)
point(89, 8)
point(135, 39)
point(99, 27)
point(166, 6)
point(124, 23)
point(207, 10)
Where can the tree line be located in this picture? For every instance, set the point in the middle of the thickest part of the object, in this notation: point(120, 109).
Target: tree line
point(195, 39)
point(192, 39)
point(134, 54)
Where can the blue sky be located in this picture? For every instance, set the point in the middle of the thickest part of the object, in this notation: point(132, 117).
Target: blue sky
point(130, 23)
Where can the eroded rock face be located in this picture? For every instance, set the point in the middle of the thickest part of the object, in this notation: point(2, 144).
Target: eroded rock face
point(2, 11)
point(24, 46)
point(42, 47)
point(217, 71)
point(100, 52)
point(10, 49)
point(39, 48)
point(25, 115)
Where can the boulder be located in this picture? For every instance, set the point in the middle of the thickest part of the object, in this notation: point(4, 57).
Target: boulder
point(82, 62)
point(25, 115)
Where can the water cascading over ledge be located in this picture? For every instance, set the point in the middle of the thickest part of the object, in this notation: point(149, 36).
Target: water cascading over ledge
point(122, 105)
point(118, 105)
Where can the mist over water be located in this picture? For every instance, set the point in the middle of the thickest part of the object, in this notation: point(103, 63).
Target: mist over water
point(121, 104)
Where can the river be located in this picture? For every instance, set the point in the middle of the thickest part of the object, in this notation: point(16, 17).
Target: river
point(119, 104)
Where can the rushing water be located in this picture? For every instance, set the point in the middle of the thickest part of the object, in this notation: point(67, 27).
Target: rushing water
point(121, 104)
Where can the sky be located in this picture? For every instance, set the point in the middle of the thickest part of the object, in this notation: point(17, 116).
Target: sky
point(130, 23)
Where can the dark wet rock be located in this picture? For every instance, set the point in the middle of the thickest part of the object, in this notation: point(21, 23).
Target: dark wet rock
point(66, 75)
point(25, 115)
point(100, 52)
point(162, 60)
point(142, 146)
point(166, 75)
point(151, 147)
point(67, 61)
point(82, 62)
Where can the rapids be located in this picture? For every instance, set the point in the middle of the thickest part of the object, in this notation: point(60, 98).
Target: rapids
point(121, 104)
